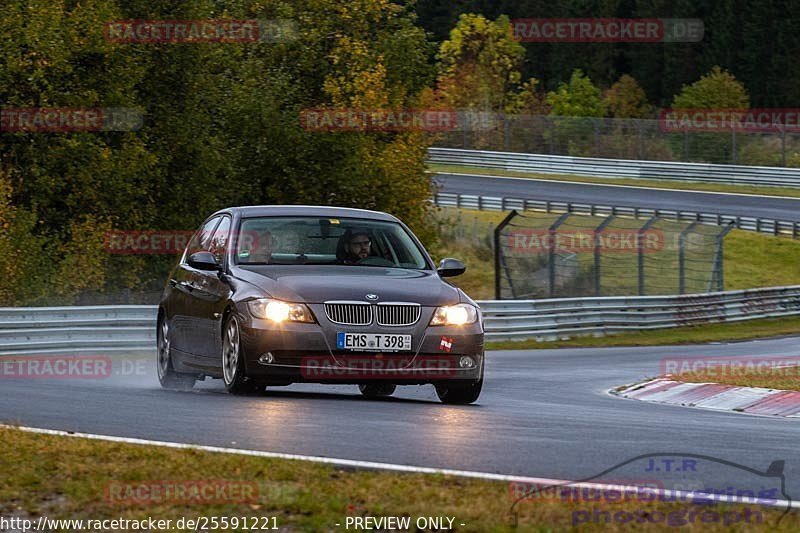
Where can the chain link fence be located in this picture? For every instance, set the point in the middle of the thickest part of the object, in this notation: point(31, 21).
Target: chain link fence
point(558, 256)
point(641, 139)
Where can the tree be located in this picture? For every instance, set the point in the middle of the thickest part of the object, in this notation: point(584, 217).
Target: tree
point(479, 64)
point(718, 89)
point(626, 99)
point(222, 126)
point(530, 100)
point(578, 98)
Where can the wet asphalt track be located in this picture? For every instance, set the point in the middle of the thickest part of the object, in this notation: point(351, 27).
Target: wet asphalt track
point(787, 209)
point(543, 413)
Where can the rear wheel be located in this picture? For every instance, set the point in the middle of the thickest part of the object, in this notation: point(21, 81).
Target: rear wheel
point(167, 376)
point(377, 390)
point(233, 371)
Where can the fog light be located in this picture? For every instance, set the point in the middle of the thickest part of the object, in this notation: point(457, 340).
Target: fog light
point(466, 362)
point(266, 359)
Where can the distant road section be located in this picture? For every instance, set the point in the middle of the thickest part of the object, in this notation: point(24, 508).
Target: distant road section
point(777, 208)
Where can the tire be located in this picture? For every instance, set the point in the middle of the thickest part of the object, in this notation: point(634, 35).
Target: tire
point(167, 376)
point(233, 371)
point(460, 393)
point(377, 390)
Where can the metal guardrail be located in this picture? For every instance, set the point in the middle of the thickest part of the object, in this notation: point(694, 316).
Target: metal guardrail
point(107, 328)
point(761, 225)
point(64, 330)
point(555, 318)
point(618, 168)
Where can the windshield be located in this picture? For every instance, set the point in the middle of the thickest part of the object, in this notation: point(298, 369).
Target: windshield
point(325, 241)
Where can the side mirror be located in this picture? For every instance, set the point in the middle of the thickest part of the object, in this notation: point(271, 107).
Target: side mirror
point(203, 261)
point(451, 267)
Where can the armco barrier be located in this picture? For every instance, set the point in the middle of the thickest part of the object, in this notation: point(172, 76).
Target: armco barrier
point(49, 330)
point(761, 225)
point(618, 168)
point(561, 317)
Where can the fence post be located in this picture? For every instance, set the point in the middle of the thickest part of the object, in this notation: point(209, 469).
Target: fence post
point(597, 232)
point(498, 257)
point(551, 264)
point(718, 272)
point(640, 251)
point(596, 135)
point(733, 144)
point(506, 133)
point(682, 257)
point(783, 147)
point(639, 127)
point(685, 145)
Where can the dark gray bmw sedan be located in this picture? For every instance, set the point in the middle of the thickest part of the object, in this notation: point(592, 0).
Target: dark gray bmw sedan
point(274, 295)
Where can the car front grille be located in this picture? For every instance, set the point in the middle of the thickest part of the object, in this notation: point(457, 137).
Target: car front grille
point(397, 314)
point(360, 314)
point(352, 314)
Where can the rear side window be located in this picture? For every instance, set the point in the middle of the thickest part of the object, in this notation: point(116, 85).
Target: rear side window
point(219, 240)
point(202, 238)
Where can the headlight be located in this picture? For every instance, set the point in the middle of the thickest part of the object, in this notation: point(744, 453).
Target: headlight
point(454, 315)
point(278, 311)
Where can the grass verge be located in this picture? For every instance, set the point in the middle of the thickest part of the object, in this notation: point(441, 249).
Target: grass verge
point(654, 183)
point(67, 477)
point(751, 329)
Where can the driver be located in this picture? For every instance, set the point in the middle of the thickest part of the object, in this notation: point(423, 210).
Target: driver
point(358, 246)
point(263, 248)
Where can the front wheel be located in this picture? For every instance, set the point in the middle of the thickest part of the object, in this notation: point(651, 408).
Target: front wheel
point(233, 371)
point(460, 393)
point(167, 376)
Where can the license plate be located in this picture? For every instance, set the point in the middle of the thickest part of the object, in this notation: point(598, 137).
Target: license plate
point(373, 342)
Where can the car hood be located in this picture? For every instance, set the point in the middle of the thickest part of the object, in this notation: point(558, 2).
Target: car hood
point(320, 284)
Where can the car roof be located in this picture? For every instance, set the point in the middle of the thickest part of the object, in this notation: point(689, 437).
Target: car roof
point(307, 210)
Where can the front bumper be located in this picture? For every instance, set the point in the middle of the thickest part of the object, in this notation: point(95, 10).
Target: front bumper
point(306, 353)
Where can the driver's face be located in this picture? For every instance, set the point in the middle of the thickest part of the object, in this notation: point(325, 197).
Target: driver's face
point(359, 246)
